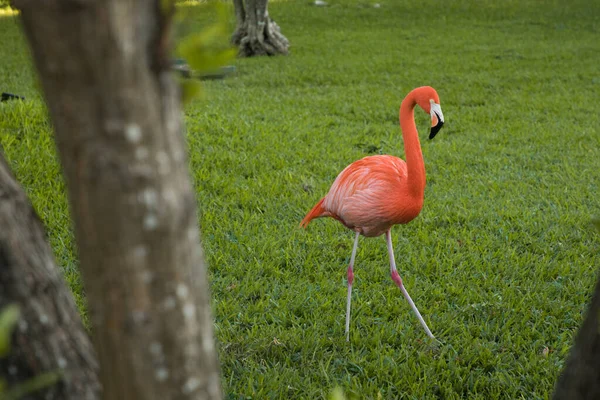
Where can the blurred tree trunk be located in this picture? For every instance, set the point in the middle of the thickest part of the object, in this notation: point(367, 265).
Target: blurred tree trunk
point(104, 68)
point(580, 378)
point(256, 33)
point(49, 336)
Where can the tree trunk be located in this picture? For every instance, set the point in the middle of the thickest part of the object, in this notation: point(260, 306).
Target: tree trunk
point(256, 34)
point(50, 336)
point(104, 68)
point(580, 378)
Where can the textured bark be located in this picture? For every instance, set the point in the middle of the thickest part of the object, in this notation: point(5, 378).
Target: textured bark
point(580, 378)
point(256, 33)
point(104, 69)
point(49, 336)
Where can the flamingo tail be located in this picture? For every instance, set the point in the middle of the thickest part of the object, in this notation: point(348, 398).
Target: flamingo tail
point(316, 212)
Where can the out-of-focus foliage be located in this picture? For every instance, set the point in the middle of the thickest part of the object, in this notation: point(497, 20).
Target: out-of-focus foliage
point(206, 50)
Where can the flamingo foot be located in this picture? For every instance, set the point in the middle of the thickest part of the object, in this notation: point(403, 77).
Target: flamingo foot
point(398, 282)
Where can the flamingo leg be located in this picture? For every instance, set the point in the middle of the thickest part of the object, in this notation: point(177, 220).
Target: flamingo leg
point(350, 280)
point(398, 281)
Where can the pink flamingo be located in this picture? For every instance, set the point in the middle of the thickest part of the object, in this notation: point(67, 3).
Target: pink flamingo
point(377, 192)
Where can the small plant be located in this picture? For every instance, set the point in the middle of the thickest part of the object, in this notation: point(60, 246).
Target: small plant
point(8, 320)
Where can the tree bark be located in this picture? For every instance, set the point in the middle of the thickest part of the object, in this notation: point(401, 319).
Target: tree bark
point(256, 33)
point(580, 378)
point(104, 67)
point(49, 336)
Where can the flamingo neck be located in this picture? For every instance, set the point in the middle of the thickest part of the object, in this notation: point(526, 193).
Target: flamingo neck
point(412, 147)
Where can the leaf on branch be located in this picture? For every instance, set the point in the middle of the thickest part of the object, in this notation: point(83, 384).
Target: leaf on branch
point(204, 52)
point(8, 319)
point(337, 394)
point(189, 89)
point(209, 49)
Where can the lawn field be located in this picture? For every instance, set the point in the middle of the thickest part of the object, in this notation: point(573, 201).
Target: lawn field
point(502, 260)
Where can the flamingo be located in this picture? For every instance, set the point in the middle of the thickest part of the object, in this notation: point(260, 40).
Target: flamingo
point(375, 193)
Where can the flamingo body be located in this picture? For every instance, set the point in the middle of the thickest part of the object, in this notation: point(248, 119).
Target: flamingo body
point(370, 196)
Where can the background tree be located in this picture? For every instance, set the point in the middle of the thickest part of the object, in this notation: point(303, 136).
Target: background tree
point(580, 378)
point(104, 67)
point(256, 33)
point(49, 336)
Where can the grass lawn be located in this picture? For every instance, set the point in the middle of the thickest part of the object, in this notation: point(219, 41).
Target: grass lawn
point(502, 260)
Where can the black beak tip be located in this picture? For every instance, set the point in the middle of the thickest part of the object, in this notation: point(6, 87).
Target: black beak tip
point(435, 129)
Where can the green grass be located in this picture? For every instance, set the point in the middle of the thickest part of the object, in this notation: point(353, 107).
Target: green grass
point(501, 261)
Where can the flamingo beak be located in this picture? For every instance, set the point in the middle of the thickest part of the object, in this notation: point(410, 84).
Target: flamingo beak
point(437, 119)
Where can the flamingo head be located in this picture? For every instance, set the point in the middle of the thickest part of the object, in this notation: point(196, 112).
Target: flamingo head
point(428, 99)
point(437, 118)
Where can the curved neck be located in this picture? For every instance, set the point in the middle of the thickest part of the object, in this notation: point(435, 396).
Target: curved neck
point(412, 146)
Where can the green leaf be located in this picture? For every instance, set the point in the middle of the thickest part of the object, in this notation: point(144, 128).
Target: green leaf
point(206, 51)
point(189, 89)
point(337, 394)
point(209, 49)
point(8, 319)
